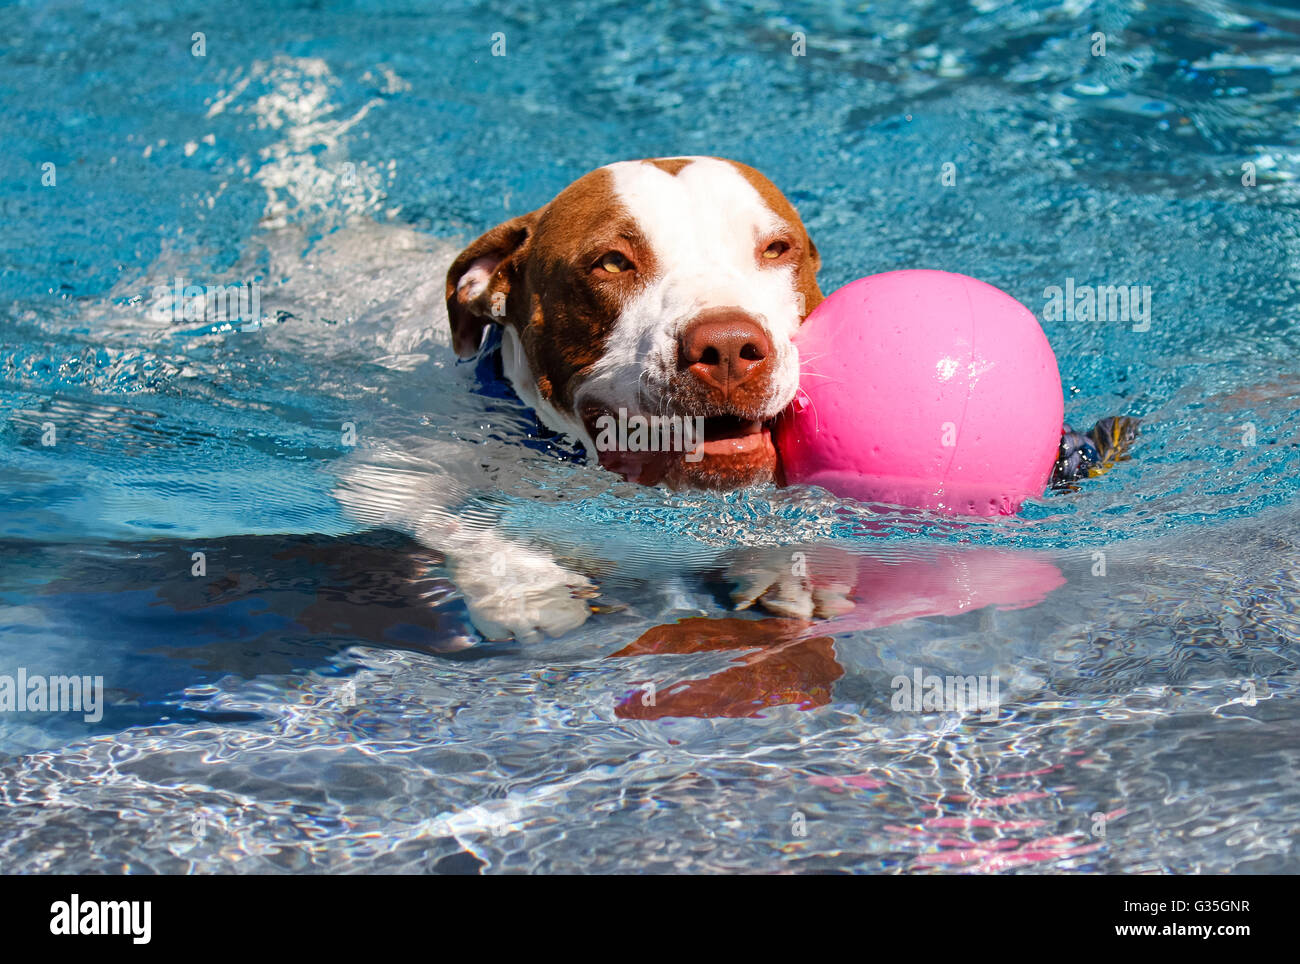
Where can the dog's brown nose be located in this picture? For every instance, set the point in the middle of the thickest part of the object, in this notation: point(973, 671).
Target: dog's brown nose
point(724, 347)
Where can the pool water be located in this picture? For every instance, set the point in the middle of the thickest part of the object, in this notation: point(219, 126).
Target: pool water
point(308, 693)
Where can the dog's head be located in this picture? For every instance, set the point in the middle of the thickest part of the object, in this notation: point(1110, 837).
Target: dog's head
point(667, 287)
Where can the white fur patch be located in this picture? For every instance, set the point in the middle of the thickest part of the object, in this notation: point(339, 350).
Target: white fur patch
point(476, 277)
point(514, 363)
point(703, 224)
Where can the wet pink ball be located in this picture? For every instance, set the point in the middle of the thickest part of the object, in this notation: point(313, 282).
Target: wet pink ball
point(925, 389)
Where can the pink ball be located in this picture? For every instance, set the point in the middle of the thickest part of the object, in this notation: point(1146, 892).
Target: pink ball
point(926, 389)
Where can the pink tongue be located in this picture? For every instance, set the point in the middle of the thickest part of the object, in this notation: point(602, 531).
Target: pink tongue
point(733, 444)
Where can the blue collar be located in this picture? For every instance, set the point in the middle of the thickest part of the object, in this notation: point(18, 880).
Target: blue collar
point(490, 381)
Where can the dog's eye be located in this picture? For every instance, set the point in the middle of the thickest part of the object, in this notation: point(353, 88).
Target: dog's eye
point(614, 262)
point(775, 250)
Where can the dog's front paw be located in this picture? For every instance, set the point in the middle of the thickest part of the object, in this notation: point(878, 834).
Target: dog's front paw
point(801, 583)
point(523, 594)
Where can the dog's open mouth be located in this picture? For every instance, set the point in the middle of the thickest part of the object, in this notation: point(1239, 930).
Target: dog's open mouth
point(711, 452)
point(731, 435)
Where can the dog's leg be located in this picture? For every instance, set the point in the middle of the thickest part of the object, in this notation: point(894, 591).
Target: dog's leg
point(802, 582)
point(510, 589)
point(515, 590)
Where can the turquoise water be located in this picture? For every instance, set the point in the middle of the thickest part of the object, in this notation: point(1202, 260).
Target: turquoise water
point(317, 699)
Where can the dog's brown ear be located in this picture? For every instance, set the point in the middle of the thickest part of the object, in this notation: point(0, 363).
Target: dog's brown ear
point(480, 279)
point(806, 279)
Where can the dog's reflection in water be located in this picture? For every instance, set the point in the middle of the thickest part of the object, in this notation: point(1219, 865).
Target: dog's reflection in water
point(775, 666)
point(791, 662)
